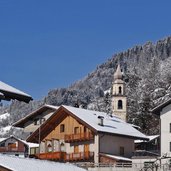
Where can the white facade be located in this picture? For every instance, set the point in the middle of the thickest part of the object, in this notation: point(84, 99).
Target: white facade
point(165, 130)
point(164, 111)
point(113, 144)
point(102, 143)
point(31, 126)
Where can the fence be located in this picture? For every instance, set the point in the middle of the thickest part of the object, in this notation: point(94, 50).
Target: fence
point(124, 167)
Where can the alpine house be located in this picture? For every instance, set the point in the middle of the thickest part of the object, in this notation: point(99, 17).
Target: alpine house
point(80, 135)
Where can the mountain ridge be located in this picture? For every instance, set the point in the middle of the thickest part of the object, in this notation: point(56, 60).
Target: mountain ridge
point(89, 91)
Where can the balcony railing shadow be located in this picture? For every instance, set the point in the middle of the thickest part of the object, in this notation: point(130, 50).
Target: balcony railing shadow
point(10, 149)
point(78, 137)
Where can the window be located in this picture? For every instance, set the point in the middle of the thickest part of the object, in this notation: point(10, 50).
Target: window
point(76, 149)
point(85, 129)
point(120, 104)
point(39, 121)
point(49, 147)
point(76, 130)
point(62, 128)
point(62, 147)
point(36, 121)
point(2, 145)
point(42, 120)
point(121, 151)
point(32, 151)
point(86, 148)
point(120, 90)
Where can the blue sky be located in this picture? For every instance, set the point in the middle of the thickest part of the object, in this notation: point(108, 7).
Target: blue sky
point(51, 44)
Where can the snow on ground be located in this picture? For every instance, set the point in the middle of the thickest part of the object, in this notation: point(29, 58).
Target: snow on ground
point(4, 116)
point(27, 164)
point(107, 91)
point(5, 130)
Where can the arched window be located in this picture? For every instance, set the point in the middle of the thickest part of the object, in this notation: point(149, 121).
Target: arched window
point(120, 104)
point(62, 147)
point(120, 90)
point(49, 147)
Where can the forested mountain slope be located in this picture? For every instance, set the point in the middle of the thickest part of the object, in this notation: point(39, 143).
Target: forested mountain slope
point(147, 73)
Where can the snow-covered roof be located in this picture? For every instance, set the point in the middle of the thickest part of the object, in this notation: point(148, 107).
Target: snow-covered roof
point(28, 117)
point(1, 94)
point(111, 124)
point(30, 145)
point(150, 137)
point(51, 106)
point(6, 87)
point(118, 158)
point(19, 164)
point(10, 92)
point(2, 139)
point(158, 108)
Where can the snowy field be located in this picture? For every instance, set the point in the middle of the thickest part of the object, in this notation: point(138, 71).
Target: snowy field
point(27, 164)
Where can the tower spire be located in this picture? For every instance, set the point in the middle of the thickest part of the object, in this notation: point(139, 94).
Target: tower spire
point(118, 73)
point(119, 100)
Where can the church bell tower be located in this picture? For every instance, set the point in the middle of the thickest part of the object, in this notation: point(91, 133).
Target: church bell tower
point(119, 100)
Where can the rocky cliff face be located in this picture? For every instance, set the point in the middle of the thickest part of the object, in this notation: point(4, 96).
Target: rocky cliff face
point(90, 91)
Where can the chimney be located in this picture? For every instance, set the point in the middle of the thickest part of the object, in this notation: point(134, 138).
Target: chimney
point(100, 120)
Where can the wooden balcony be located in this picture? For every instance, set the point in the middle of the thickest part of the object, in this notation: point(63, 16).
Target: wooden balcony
point(81, 156)
point(62, 156)
point(51, 156)
point(10, 149)
point(78, 137)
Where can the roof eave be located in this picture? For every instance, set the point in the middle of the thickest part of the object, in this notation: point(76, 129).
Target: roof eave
point(123, 135)
point(11, 95)
point(159, 108)
point(22, 121)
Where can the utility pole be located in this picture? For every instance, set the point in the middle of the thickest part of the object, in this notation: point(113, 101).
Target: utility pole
point(40, 123)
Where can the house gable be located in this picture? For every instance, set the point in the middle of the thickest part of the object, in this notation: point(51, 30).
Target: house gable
point(32, 121)
point(52, 125)
point(67, 126)
point(12, 145)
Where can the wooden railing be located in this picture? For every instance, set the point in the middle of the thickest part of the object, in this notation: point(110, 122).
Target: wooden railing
point(79, 156)
point(51, 156)
point(78, 137)
point(62, 156)
point(10, 149)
